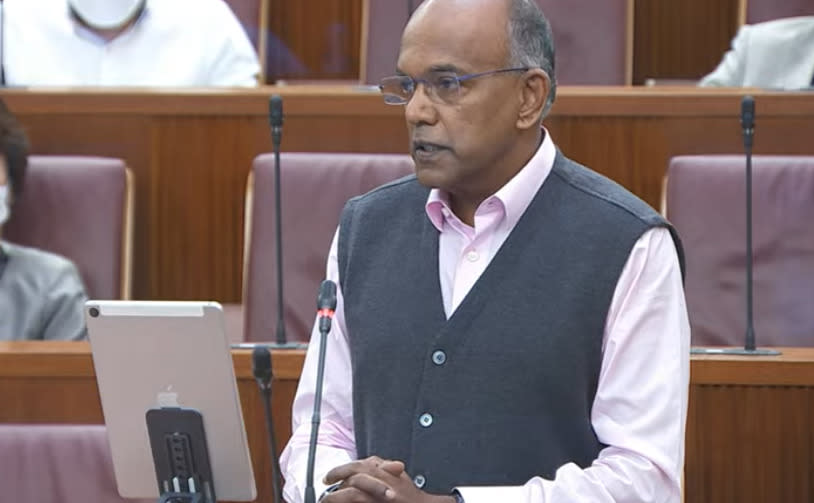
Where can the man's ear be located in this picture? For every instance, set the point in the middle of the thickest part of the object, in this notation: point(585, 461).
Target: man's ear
point(533, 93)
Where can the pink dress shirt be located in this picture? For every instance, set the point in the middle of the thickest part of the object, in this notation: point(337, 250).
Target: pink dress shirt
point(640, 407)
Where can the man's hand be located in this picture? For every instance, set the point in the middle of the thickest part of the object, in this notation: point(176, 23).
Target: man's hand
point(375, 480)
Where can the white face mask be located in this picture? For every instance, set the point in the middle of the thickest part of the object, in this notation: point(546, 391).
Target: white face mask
point(4, 211)
point(106, 14)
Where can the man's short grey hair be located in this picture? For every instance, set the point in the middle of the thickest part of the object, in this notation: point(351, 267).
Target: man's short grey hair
point(531, 43)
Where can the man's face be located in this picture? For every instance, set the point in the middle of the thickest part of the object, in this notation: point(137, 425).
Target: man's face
point(459, 145)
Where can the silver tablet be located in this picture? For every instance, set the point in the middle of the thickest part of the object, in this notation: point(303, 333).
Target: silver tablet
point(167, 354)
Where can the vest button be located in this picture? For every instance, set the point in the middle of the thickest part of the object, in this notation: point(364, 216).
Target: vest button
point(439, 357)
point(419, 481)
point(425, 420)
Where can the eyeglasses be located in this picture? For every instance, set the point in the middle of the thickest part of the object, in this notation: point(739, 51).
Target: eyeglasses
point(442, 87)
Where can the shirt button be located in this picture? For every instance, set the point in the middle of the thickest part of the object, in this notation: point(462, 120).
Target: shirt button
point(472, 256)
point(425, 420)
point(439, 357)
point(419, 481)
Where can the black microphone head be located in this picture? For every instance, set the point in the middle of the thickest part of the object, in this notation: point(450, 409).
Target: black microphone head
point(748, 112)
point(276, 111)
point(327, 295)
point(261, 363)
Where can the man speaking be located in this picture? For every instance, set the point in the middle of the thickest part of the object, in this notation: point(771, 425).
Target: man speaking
point(511, 326)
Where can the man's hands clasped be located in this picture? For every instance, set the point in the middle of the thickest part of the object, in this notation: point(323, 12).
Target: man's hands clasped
point(376, 480)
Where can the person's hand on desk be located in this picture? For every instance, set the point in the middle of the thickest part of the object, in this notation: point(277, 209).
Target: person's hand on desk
point(376, 480)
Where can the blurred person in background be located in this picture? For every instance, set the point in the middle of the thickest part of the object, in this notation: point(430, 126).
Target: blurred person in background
point(41, 294)
point(167, 43)
point(776, 54)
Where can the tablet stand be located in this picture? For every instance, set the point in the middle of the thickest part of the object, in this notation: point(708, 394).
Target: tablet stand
point(180, 455)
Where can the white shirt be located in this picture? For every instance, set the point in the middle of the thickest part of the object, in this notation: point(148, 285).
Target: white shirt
point(174, 43)
point(776, 54)
point(640, 406)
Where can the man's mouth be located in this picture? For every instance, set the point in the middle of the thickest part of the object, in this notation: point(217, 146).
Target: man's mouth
point(426, 148)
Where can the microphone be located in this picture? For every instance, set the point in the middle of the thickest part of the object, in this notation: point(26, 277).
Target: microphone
point(326, 305)
point(748, 126)
point(276, 119)
point(261, 368)
point(749, 346)
point(276, 123)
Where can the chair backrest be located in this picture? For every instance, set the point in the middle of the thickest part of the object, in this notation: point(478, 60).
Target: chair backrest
point(758, 11)
point(314, 189)
point(57, 462)
point(248, 13)
point(593, 40)
point(705, 200)
point(382, 24)
point(252, 15)
point(80, 208)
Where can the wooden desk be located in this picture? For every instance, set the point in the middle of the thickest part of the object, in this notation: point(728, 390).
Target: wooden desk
point(750, 427)
point(191, 152)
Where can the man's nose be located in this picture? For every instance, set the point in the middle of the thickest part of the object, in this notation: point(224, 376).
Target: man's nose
point(420, 109)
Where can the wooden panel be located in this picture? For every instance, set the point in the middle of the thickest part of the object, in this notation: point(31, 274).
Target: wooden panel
point(681, 40)
point(191, 151)
point(749, 435)
point(755, 442)
point(324, 35)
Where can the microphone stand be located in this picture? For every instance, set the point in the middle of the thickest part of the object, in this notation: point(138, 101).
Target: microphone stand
point(261, 368)
point(749, 347)
point(326, 304)
point(276, 123)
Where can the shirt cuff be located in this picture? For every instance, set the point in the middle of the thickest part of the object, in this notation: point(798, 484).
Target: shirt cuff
point(490, 494)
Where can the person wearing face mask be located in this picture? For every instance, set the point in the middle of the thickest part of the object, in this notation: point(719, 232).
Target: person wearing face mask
point(41, 294)
point(165, 43)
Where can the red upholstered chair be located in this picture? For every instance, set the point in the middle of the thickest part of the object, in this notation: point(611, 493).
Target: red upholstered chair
point(248, 13)
point(81, 208)
point(56, 462)
point(253, 16)
point(705, 200)
point(758, 11)
point(315, 188)
point(382, 24)
point(593, 40)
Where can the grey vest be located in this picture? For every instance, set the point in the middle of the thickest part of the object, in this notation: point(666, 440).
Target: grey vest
point(503, 390)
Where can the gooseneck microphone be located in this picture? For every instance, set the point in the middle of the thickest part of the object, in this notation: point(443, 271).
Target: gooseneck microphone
point(748, 126)
point(326, 305)
point(276, 123)
point(261, 368)
point(750, 346)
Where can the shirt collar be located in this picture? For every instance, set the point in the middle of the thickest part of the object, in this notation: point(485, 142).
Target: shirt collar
point(89, 35)
point(515, 196)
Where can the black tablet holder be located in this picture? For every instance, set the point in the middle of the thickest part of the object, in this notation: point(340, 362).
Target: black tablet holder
point(180, 455)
